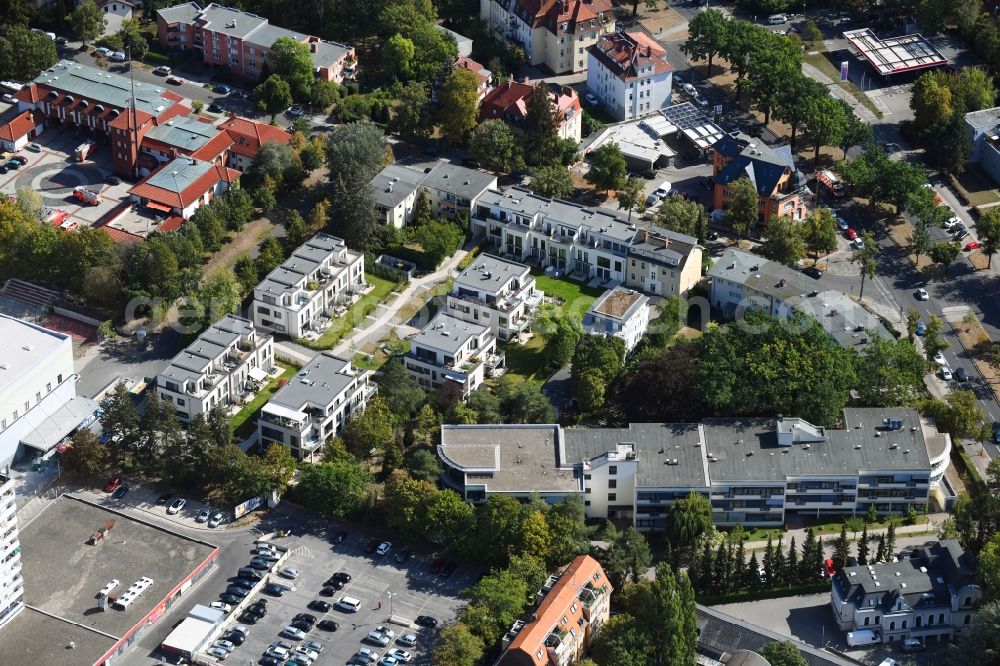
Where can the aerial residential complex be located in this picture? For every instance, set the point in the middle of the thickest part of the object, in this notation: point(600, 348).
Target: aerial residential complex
point(755, 471)
point(496, 293)
point(224, 366)
point(11, 585)
point(629, 74)
point(314, 404)
point(930, 594)
point(38, 401)
point(455, 352)
point(241, 41)
point(586, 243)
point(570, 610)
point(302, 293)
point(554, 33)
point(451, 188)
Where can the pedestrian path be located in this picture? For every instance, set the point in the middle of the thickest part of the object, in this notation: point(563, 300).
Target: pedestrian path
point(838, 92)
point(933, 524)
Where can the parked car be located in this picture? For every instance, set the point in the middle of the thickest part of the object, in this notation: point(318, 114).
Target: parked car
point(261, 564)
point(922, 294)
point(383, 548)
point(162, 70)
point(404, 555)
point(436, 565)
point(372, 546)
point(294, 112)
point(34, 147)
point(176, 506)
point(319, 606)
point(214, 108)
point(113, 484)
point(203, 515)
point(164, 498)
point(315, 646)
point(407, 640)
point(244, 583)
point(216, 520)
point(921, 328)
point(230, 598)
point(961, 375)
point(222, 89)
point(377, 638)
point(400, 655)
point(850, 234)
point(290, 573)
point(102, 51)
point(174, 81)
point(238, 591)
point(293, 632)
point(217, 653)
point(121, 492)
point(972, 245)
point(116, 180)
point(426, 621)
point(590, 99)
point(328, 625)
point(117, 56)
point(912, 645)
point(939, 358)
point(813, 272)
point(448, 569)
point(224, 607)
point(275, 589)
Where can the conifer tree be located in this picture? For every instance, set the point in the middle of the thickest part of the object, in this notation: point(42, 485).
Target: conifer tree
point(863, 546)
point(791, 573)
point(752, 580)
point(769, 563)
point(779, 566)
point(707, 567)
point(890, 540)
point(880, 552)
point(841, 549)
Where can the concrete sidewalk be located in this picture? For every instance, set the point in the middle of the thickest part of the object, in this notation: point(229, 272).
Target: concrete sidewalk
point(838, 92)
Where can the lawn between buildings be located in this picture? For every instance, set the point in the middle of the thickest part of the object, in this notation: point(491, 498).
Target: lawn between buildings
point(245, 420)
point(355, 315)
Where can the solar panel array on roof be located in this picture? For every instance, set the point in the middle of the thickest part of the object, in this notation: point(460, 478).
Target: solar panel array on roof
point(684, 115)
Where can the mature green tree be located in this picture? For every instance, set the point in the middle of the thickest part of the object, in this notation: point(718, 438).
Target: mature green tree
point(783, 241)
point(819, 232)
point(397, 57)
point(273, 163)
point(841, 549)
point(133, 40)
point(622, 642)
point(608, 170)
point(458, 646)
point(866, 258)
point(86, 457)
point(424, 465)
point(854, 132)
point(353, 213)
point(632, 196)
point(775, 61)
point(945, 253)
point(744, 205)
point(119, 418)
point(458, 105)
point(933, 342)
point(552, 181)
point(495, 602)
point(498, 528)
point(333, 489)
point(689, 519)
point(398, 389)
point(273, 96)
point(494, 145)
point(931, 100)
point(30, 203)
point(919, 239)
point(881, 180)
point(23, 53)
point(684, 216)
point(324, 94)
point(988, 229)
point(356, 152)
point(439, 238)
point(449, 520)
point(824, 119)
point(948, 146)
point(988, 569)
point(742, 41)
point(959, 414)
point(405, 499)
point(707, 33)
point(88, 21)
point(629, 557)
point(891, 373)
point(973, 89)
point(795, 103)
point(370, 429)
point(668, 616)
point(783, 653)
point(541, 128)
point(523, 402)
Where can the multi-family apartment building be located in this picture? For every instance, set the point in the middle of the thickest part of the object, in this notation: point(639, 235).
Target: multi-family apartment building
point(983, 128)
point(570, 609)
point(11, 582)
point(495, 293)
point(629, 74)
point(224, 366)
point(754, 471)
point(315, 404)
point(38, 401)
point(931, 594)
point(508, 101)
point(454, 352)
point(301, 294)
point(241, 42)
point(554, 33)
point(620, 313)
point(585, 243)
point(741, 281)
point(781, 188)
point(452, 189)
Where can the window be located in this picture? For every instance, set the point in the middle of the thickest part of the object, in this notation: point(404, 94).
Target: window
point(612, 469)
point(612, 483)
point(585, 502)
point(968, 618)
point(180, 402)
point(612, 497)
point(892, 626)
point(941, 618)
point(867, 620)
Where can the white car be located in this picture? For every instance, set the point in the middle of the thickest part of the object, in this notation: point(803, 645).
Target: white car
point(388, 660)
point(384, 548)
point(176, 506)
point(290, 573)
point(293, 632)
point(841, 223)
point(946, 374)
point(203, 515)
point(922, 294)
point(162, 70)
point(219, 605)
point(311, 655)
point(400, 655)
point(225, 645)
point(377, 638)
point(858, 244)
point(386, 631)
point(590, 99)
point(718, 215)
point(216, 520)
point(277, 652)
point(690, 89)
point(370, 655)
point(939, 359)
point(217, 653)
point(407, 640)
point(34, 147)
point(100, 50)
point(315, 646)
point(8, 98)
point(952, 221)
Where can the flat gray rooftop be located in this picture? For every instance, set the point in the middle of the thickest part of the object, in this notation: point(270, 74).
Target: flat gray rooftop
point(185, 132)
point(98, 86)
point(179, 174)
point(521, 458)
point(36, 638)
point(62, 574)
point(34, 345)
point(459, 180)
point(447, 334)
point(393, 184)
point(490, 274)
point(319, 382)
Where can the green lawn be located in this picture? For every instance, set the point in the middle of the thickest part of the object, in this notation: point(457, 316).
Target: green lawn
point(524, 361)
point(245, 420)
point(355, 315)
point(576, 297)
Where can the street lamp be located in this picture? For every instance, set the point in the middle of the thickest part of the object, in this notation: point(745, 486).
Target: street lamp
point(390, 595)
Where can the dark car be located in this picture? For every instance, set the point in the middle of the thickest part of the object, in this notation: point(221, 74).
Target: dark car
point(340, 536)
point(242, 582)
point(712, 236)
point(240, 592)
point(372, 546)
point(426, 621)
point(230, 598)
point(61, 41)
point(328, 591)
point(319, 606)
point(268, 660)
point(448, 569)
point(3, 168)
point(214, 108)
point(961, 375)
point(404, 555)
point(328, 625)
point(251, 574)
point(813, 272)
point(471, 163)
point(235, 637)
point(261, 564)
point(274, 589)
point(20, 160)
point(436, 565)
point(115, 180)
point(120, 493)
point(222, 89)
point(342, 577)
point(305, 617)
point(261, 604)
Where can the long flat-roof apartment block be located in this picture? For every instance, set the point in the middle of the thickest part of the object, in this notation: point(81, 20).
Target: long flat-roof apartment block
point(497, 293)
point(315, 404)
point(224, 366)
point(11, 581)
point(452, 351)
point(300, 295)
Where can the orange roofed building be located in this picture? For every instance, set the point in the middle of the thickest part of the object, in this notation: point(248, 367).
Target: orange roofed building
point(509, 102)
point(572, 608)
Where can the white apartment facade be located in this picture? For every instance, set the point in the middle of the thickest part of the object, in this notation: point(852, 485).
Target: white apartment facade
point(629, 74)
point(11, 582)
point(451, 188)
point(224, 366)
point(301, 294)
point(496, 293)
point(452, 351)
point(621, 313)
point(315, 404)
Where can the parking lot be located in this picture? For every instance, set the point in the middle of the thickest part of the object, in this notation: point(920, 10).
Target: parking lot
point(54, 172)
point(391, 594)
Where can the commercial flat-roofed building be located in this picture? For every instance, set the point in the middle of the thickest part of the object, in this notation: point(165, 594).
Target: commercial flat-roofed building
point(301, 294)
point(571, 607)
point(224, 366)
point(930, 594)
point(38, 401)
point(314, 405)
point(449, 350)
point(620, 313)
point(755, 471)
point(496, 293)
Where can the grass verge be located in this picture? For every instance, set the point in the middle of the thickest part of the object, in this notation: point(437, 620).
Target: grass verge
point(525, 361)
point(975, 188)
point(245, 420)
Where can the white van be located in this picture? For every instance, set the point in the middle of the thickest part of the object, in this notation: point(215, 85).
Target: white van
point(349, 604)
point(862, 637)
point(777, 19)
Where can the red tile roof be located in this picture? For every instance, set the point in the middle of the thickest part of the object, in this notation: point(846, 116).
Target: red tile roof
point(172, 223)
point(623, 54)
point(248, 136)
point(121, 237)
point(509, 100)
point(207, 181)
point(21, 125)
point(215, 146)
point(551, 14)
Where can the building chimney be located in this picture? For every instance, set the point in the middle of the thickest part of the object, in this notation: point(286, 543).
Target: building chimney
point(645, 238)
point(312, 47)
point(666, 242)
